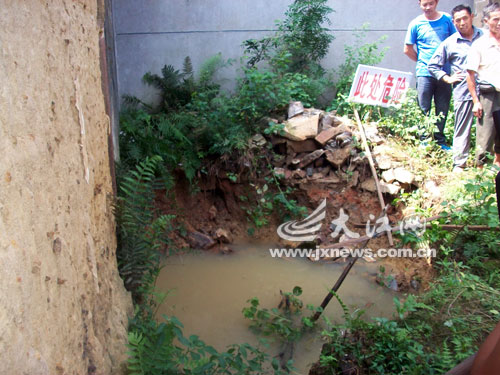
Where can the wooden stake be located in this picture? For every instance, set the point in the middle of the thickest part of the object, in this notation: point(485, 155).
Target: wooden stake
point(372, 167)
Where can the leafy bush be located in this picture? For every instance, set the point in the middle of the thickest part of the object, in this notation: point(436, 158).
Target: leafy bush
point(301, 36)
point(305, 36)
point(463, 307)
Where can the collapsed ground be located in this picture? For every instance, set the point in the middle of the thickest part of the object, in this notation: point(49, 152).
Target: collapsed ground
point(316, 155)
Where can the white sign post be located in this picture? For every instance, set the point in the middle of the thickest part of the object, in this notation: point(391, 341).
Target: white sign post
point(379, 86)
point(382, 87)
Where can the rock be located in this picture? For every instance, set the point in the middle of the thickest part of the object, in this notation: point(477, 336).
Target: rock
point(257, 141)
point(309, 158)
point(212, 213)
point(222, 235)
point(313, 111)
point(369, 185)
point(309, 171)
point(331, 179)
point(353, 181)
point(415, 284)
point(344, 138)
point(294, 109)
point(290, 158)
point(404, 176)
point(301, 127)
point(327, 134)
point(225, 250)
point(372, 135)
point(388, 176)
point(383, 161)
point(392, 284)
point(432, 189)
point(198, 240)
point(339, 156)
point(329, 120)
point(298, 173)
point(391, 189)
point(301, 146)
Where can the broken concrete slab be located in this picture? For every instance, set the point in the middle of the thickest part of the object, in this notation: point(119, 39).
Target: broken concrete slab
point(389, 176)
point(372, 134)
point(329, 120)
point(301, 127)
point(383, 162)
point(339, 156)
point(331, 179)
point(404, 176)
point(294, 109)
point(299, 173)
point(391, 189)
point(353, 181)
point(309, 158)
point(327, 134)
point(370, 185)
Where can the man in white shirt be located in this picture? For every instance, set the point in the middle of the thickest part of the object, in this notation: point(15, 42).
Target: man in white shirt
point(484, 60)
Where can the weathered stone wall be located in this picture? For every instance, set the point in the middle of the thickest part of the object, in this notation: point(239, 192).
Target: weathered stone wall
point(63, 308)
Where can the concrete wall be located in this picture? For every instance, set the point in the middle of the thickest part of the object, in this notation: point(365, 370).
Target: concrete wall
point(151, 33)
point(63, 307)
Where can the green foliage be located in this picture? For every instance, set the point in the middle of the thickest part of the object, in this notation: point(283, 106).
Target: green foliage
point(301, 37)
point(463, 307)
point(408, 122)
point(161, 348)
point(472, 203)
point(144, 135)
point(261, 92)
point(175, 87)
point(304, 35)
point(270, 197)
point(286, 323)
point(141, 232)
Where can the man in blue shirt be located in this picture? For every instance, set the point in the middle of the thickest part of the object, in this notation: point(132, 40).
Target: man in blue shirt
point(425, 34)
point(453, 52)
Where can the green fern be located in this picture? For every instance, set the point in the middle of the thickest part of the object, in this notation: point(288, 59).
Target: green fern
point(141, 232)
point(209, 68)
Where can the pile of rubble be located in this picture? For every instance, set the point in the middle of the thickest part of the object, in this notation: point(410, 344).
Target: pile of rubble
point(322, 148)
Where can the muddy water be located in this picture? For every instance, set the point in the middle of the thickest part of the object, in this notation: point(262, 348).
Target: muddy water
point(208, 292)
